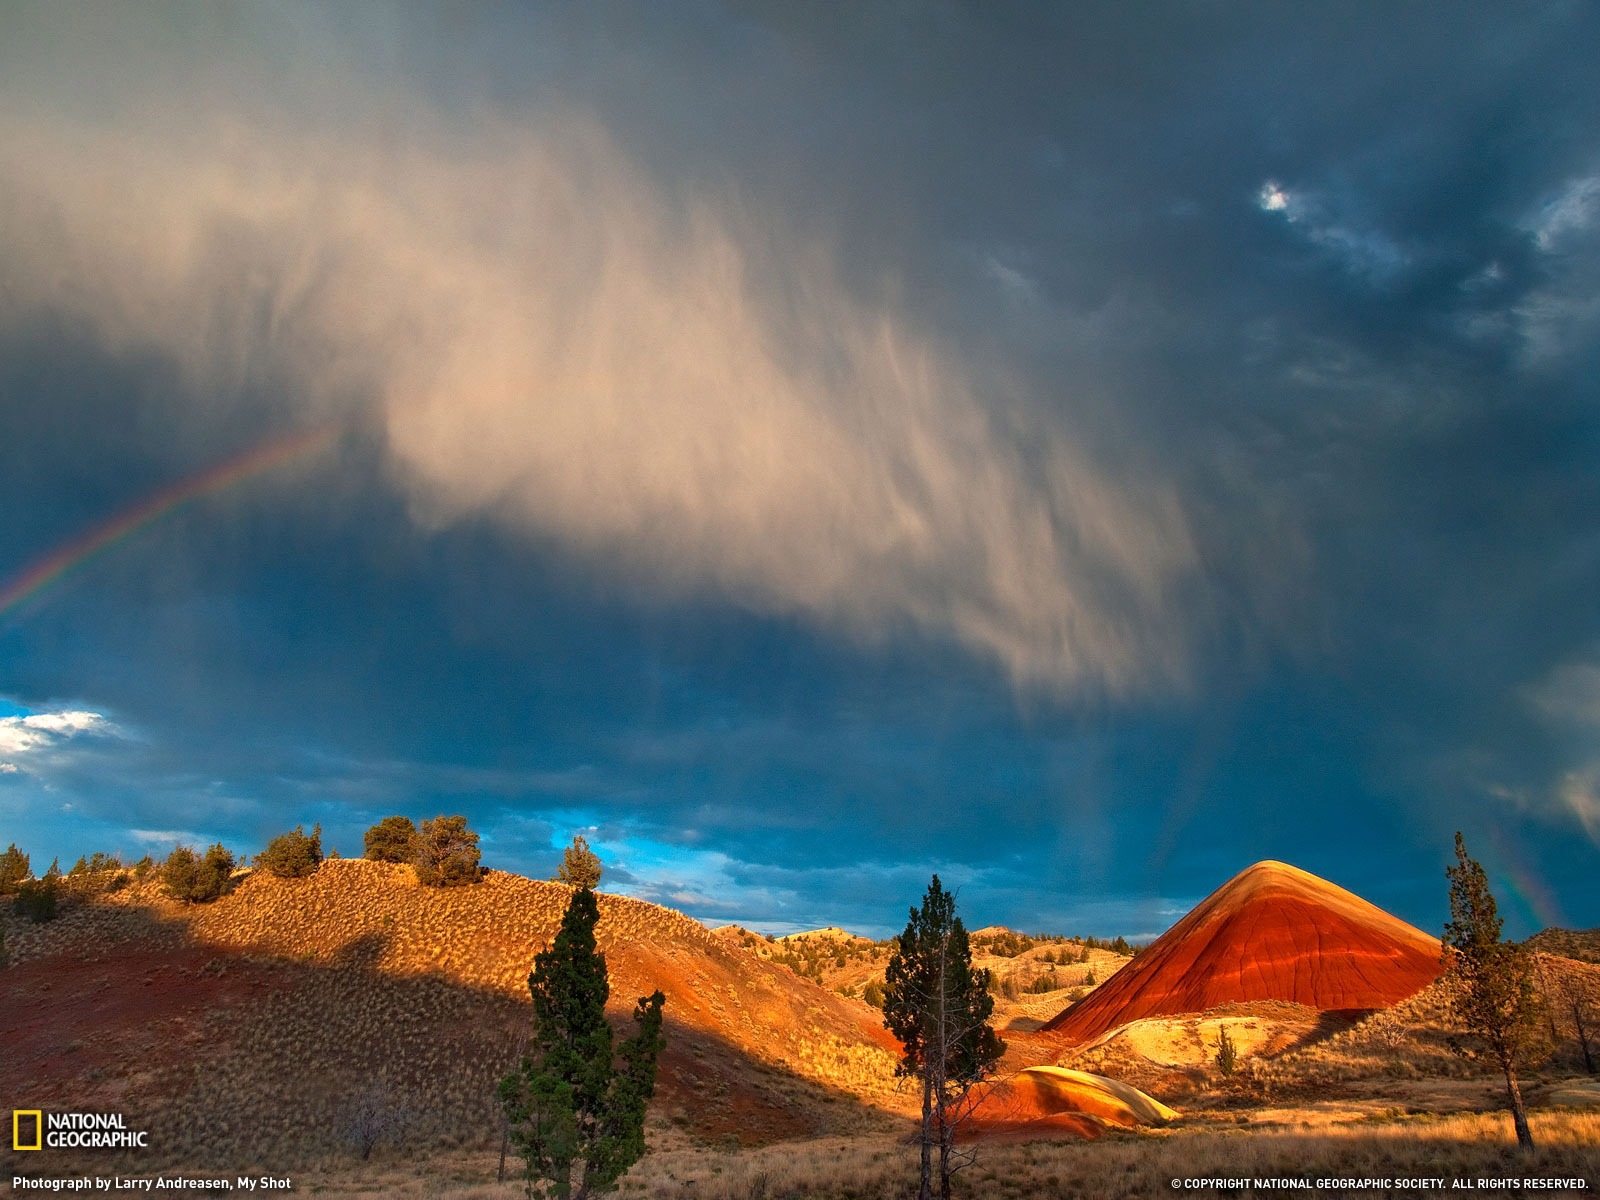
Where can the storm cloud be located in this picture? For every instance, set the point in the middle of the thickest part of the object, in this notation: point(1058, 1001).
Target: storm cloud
point(1084, 450)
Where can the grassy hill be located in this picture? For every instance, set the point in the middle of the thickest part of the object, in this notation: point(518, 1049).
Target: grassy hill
point(270, 1021)
point(1580, 944)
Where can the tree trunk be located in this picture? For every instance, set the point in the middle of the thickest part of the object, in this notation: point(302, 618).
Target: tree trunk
point(925, 1189)
point(1519, 1114)
point(1583, 1034)
point(947, 1133)
point(505, 1142)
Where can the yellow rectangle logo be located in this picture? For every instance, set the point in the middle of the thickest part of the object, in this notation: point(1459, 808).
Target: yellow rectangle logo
point(17, 1124)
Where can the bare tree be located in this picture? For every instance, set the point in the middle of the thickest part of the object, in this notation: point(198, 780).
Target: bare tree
point(372, 1117)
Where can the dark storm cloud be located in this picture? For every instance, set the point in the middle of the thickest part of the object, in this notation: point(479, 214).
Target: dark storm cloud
point(1100, 448)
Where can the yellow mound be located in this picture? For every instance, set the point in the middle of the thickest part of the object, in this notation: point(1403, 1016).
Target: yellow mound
point(1041, 1095)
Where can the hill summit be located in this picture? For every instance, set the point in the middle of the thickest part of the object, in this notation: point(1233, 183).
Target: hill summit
point(1272, 932)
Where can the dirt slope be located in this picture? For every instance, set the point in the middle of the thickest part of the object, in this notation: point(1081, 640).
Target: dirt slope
point(1273, 932)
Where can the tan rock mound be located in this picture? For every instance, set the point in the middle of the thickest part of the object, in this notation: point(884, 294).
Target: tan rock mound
point(1050, 1101)
point(1272, 932)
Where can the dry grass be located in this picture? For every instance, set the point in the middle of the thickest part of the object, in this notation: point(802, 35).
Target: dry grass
point(243, 1034)
point(883, 1167)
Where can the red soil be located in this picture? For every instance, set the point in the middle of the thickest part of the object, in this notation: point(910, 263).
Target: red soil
point(1272, 932)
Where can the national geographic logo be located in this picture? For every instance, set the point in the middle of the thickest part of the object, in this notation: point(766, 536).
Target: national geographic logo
point(35, 1129)
point(27, 1129)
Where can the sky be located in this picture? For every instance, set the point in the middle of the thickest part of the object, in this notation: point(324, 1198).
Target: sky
point(1079, 450)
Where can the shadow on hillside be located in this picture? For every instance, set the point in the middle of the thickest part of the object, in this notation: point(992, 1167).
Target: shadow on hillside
point(240, 1060)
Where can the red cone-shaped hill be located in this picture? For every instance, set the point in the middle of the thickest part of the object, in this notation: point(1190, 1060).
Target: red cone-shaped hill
point(1272, 932)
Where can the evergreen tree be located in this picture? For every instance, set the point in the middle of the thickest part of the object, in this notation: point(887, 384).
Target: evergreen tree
point(580, 866)
point(293, 855)
point(1494, 994)
point(575, 1114)
point(393, 839)
point(197, 880)
point(1227, 1053)
point(14, 869)
point(37, 898)
point(447, 853)
point(938, 1007)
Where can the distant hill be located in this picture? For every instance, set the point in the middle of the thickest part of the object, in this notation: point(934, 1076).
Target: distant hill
point(1273, 932)
point(1581, 944)
point(831, 933)
point(265, 1019)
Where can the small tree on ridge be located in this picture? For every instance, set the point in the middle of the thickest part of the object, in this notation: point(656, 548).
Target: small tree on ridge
point(392, 840)
point(293, 855)
point(447, 853)
point(197, 880)
point(580, 866)
point(14, 869)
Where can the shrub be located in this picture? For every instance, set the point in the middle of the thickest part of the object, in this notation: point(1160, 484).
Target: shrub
point(447, 853)
point(393, 840)
point(36, 899)
point(293, 855)
point(1227, 1053)
point(13, 870)
point(93, 873)
point(873, 993)
point(1045, 983)
point(197, 880)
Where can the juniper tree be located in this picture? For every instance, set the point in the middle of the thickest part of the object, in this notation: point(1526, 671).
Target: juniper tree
point(938, 1006)
point(447, 853)
point(580, 866)
point(1494, 995)
point(194, 879)
point(1227, 1053)
point(293, 855)
point(575, 1113)
point(393, 839)
point(13, 870)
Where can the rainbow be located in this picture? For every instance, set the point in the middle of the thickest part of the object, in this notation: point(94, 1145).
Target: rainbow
point(61, 562)
point(1536, 897)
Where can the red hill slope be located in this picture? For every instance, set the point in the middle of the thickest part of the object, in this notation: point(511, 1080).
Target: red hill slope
point(1272, 932)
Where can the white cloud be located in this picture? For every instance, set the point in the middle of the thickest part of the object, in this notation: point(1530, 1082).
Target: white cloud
point(1272, 198)
point(1322, 220)
point(1570, 694)
point(42, 732)
point(1569, 697)
point(1573, 211)
point(667, 384)
point(168, 837)
point(1580, 790)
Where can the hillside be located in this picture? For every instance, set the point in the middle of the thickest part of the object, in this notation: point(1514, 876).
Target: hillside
point(269, 1017)
point(1030, 976)
point(1273, 932)
point(1580, 944)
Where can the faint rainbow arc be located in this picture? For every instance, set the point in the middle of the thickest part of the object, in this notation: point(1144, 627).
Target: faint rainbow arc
point(62, 561)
